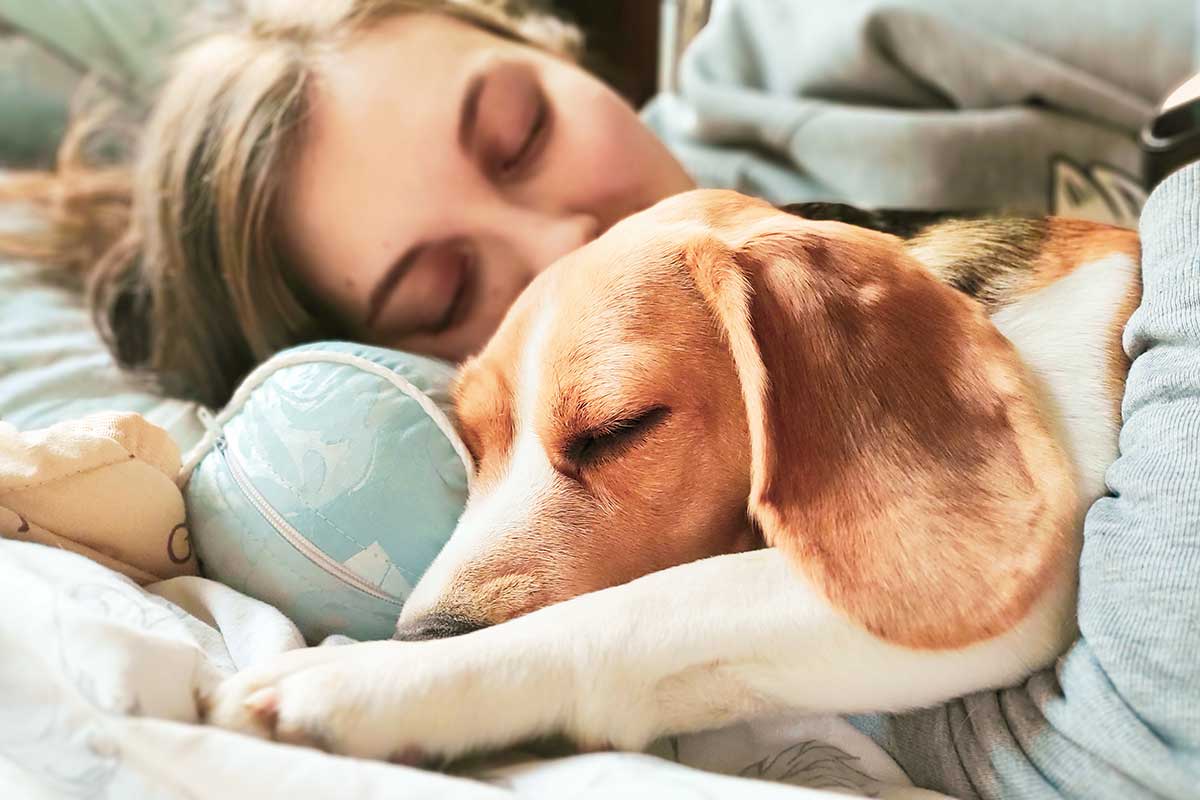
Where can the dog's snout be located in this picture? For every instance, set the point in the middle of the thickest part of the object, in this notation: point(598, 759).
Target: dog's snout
point(435, 626)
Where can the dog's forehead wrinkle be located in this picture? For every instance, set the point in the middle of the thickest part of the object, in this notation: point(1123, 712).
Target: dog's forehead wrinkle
point(597, 390)
point(589, 375)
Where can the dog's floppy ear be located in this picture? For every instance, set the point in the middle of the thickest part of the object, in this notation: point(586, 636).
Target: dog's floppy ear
point(899, 456)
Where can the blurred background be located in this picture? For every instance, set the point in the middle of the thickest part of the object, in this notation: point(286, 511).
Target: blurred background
point(634, 44)
point(47, 50)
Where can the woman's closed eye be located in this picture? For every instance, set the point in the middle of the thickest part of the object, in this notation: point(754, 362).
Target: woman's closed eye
point(526, 154)
point(436, 292)
point(463, 280)
point(515, 123)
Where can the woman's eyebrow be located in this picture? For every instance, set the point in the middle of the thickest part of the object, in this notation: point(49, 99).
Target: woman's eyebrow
point(387, 283)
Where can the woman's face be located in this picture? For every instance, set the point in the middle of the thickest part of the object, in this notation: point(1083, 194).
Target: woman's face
point(441, 168)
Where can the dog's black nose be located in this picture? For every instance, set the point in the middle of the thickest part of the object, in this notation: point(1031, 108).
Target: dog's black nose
point(436, 626)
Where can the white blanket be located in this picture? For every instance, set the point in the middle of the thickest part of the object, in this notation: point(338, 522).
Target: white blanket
point(97, 686)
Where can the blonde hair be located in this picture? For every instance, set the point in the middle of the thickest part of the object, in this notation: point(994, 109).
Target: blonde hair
point(187, 281)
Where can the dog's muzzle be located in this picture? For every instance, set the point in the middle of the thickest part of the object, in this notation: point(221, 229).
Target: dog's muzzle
point(436, 626)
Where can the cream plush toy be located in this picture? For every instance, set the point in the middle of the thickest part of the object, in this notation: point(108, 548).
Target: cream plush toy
point(102, 486)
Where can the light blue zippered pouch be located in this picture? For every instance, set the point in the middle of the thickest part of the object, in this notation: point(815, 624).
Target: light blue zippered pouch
point(328, 484)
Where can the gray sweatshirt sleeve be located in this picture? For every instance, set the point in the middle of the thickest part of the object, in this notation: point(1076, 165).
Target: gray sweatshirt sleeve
point(1119, 714)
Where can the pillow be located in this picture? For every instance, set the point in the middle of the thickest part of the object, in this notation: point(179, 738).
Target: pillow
point(53, 366)
point(328, 484)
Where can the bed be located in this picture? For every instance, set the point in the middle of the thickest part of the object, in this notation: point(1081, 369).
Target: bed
point(97, 700)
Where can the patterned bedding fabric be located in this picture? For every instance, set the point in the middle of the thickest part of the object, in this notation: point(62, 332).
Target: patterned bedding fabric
point(97, 691)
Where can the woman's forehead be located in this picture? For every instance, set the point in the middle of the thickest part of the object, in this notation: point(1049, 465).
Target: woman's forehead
point(414, 52)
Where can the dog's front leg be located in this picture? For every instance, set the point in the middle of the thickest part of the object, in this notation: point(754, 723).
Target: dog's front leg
point(686, 648)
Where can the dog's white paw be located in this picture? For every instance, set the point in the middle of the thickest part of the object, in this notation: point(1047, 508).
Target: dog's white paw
point(368, 700)
point(406, 702)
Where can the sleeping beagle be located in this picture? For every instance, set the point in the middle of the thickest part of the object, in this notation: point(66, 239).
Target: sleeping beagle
point(730, 460)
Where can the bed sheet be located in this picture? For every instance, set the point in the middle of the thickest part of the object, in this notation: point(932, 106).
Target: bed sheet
point(97, 699)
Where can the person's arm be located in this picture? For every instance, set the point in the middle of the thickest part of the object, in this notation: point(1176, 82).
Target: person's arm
point(1119, 716)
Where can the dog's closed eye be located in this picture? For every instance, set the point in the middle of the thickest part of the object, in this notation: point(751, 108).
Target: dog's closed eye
point(612, 438)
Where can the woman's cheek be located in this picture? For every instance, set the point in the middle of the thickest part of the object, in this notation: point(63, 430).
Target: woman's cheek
point(610, 153)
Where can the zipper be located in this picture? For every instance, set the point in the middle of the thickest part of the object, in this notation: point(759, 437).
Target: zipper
point(289, 533)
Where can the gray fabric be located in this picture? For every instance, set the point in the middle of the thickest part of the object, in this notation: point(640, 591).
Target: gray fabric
point(121, 41)
point(1027, 106)
point(34, 90)
point(1119, 716)
point(47, 50)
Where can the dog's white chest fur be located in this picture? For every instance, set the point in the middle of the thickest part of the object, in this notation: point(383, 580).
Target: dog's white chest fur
point(1063, 334)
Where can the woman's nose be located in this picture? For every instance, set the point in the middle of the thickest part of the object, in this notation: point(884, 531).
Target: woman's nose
point(550, 238)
